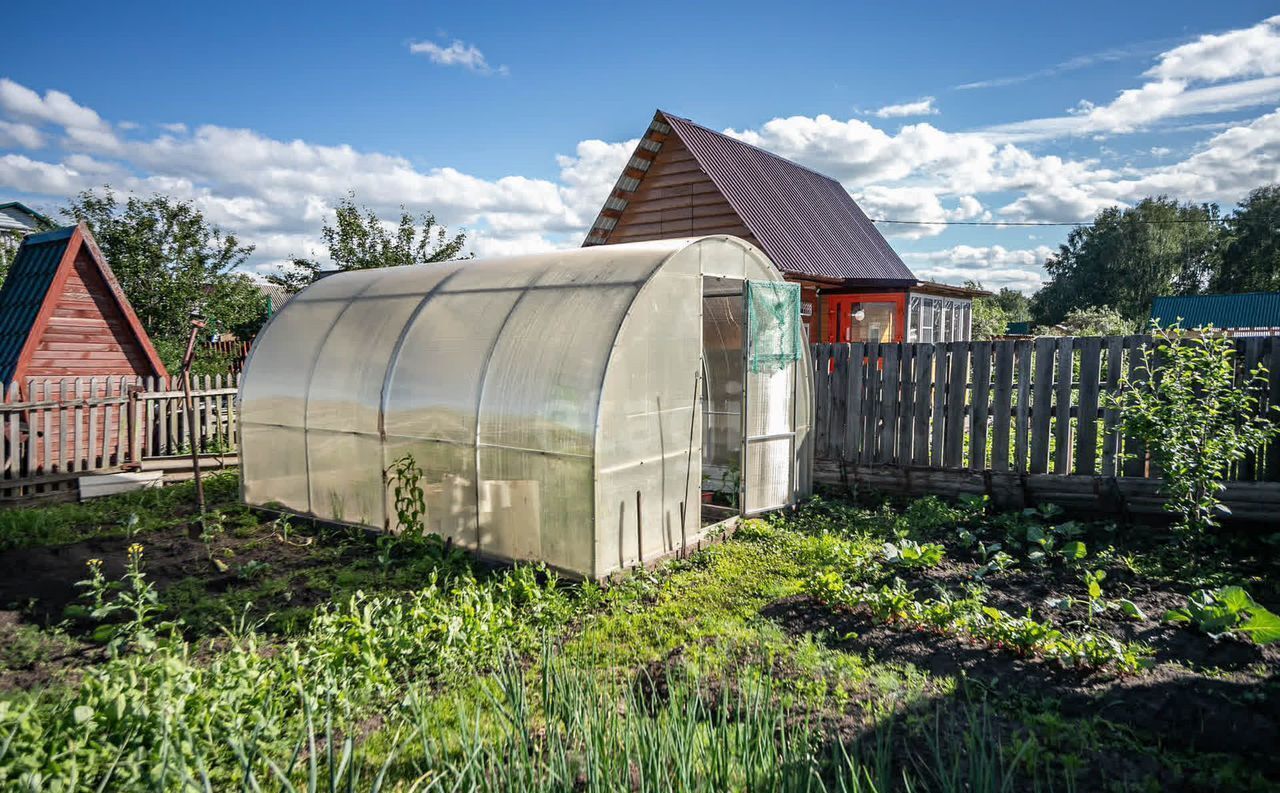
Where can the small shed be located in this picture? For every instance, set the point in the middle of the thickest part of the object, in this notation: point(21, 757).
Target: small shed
point(63, 315)
point(573, 407)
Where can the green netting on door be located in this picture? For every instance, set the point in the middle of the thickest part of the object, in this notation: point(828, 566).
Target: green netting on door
point(773, 325)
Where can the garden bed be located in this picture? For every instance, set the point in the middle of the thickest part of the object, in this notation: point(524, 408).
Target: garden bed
point(768, 657)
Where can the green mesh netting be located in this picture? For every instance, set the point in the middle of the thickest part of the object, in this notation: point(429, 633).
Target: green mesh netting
point(773, 325)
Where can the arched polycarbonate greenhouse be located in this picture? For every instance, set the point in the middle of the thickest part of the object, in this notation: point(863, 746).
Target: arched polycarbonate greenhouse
point(591, 408)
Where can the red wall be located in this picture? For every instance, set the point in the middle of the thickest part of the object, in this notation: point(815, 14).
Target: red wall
point(836, 307)
point(87, 334)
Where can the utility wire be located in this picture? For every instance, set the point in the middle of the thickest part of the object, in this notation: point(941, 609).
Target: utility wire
point(1039, 222)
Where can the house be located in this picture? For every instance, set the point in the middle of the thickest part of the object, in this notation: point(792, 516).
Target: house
point(18, 218)
point(62, 314)
point(1250, 314)
point(686, 180)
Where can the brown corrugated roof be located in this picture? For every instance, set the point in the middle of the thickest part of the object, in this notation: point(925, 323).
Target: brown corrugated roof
point(807, 223)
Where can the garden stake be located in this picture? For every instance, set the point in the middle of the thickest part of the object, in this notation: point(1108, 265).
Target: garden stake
point(688, 460)
point(197, 324)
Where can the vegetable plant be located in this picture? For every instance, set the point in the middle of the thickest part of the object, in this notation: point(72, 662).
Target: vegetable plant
point(1219, 612)
point(910, 554)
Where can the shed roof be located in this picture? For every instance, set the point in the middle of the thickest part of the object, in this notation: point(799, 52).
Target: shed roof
point(1250, 310)
point(807, 223)
point(31, 291)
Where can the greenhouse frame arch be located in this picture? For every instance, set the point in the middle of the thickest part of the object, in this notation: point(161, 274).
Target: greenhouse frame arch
point(579, 407)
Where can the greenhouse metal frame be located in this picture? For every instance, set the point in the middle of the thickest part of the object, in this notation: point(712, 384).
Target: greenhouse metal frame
point(574, 407)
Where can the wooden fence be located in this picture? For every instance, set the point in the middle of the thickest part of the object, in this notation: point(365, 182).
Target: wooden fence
point(1018, 414)
point(56, 431)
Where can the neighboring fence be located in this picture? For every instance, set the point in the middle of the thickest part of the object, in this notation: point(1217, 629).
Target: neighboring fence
point(56, 431)
point(1021, 420)
point(235, 351)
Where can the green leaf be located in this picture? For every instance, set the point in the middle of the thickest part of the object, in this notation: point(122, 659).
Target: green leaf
point(1234, 598)
point(1176, 615)
point(82, 713)
point(1262, 625)
point(1130, 609)
point(1074, 550)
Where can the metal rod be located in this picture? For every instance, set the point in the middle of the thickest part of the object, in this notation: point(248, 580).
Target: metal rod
point(196, 325)
point(688, 462)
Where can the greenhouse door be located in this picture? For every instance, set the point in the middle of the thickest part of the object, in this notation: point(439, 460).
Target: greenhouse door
point(772, 354)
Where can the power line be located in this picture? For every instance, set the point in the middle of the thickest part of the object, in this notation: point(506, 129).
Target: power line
point(1039, 222)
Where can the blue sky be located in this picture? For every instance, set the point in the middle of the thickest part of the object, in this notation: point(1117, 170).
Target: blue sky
point(512, 120)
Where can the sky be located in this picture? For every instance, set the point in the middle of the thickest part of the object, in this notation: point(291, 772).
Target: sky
point(513, 120)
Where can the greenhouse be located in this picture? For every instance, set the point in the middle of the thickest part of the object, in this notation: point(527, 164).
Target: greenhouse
point(592, 408)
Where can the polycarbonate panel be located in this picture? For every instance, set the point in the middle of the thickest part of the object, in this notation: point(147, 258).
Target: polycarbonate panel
point(646, 467)
point(448, 486)
point(542, 385)
point(435, 383)
point(722, 337)
point(345, 476)
point(273, 466)
point(770, 399)
point(273, 389)
point(767, 481)
point(536, 506)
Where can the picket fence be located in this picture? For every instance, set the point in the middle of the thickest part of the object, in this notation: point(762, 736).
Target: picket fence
point(1021, 420)
point(57, 431)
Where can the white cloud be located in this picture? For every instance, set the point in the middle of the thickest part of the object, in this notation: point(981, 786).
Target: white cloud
point(994, 266)
point(81, 124)
point(14, 135)
point(1250, 52)
point(1139, 49)
point(176, 127)
point(923, 107)
point(458, 53)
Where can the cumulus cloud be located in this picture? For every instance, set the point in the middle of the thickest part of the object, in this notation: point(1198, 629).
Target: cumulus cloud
point(277, 192)
point(458, 53)
point(994, 266)
point(923, 107)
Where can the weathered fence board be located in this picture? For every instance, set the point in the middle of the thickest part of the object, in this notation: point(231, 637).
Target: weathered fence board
point(1007, 406)
point(53, 431)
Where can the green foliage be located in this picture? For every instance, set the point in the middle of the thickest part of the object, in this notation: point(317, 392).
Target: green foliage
point(360, 240)
point(207, 360)
point(1090, 321)
point(970, 616)
point(1195, 419)
point(1251, 255)
point(992, 315)
point(910, 554)
point(169, 260)
point(126, 611)
point(1128, 256)
point(1219, 612)
point(410, 504)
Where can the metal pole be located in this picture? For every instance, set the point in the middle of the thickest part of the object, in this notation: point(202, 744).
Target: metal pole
point(197, 323)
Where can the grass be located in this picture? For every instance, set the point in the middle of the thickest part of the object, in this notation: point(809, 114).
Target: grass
point(311, 660)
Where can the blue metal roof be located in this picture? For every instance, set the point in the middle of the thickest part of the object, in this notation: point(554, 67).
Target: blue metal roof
point(1251, 310)
point(24, 291)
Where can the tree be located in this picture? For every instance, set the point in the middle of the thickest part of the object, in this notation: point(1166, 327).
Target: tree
point(169, 260)
point(1092, 321)
point(1251, 255)
point(992, 315)
point(1184, 403)
point(359, 240)
point(1129, 256)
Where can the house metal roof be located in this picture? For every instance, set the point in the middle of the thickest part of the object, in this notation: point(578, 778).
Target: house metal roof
point(24, 291)
point(12, 215)
point(1251, 310)
point(807, 223)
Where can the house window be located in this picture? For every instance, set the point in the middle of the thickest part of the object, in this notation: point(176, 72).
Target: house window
point(913, 319)
point(871, 322)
